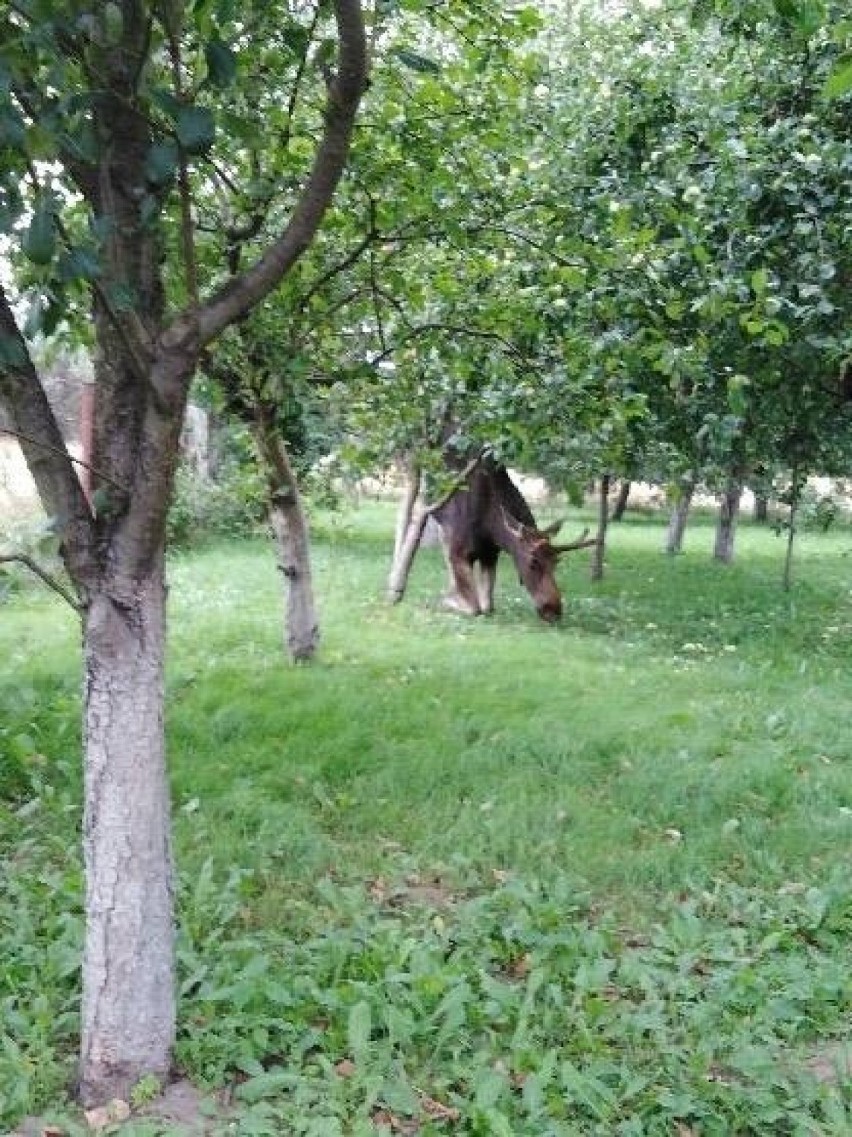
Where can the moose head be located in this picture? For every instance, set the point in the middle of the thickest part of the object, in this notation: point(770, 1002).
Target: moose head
point(536, 558)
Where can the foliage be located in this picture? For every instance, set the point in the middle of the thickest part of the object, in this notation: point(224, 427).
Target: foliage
point(230, 504)
point(403, 883)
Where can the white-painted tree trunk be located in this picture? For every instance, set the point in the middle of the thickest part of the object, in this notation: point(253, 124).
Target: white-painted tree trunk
point(128, 1012)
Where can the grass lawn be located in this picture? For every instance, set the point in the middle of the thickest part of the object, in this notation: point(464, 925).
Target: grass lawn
point(472, 876)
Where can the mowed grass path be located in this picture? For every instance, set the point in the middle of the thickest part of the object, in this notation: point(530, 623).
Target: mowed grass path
point(683, 735)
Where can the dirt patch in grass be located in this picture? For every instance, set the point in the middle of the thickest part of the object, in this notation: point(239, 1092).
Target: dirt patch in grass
point(832, 1064)
point(180, 1111)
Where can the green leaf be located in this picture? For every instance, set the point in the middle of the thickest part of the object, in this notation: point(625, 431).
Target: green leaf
point(221, 63)
point(417, 62)
point(39, 241)
point(162, 162)
point(195, 127)
point(839, 82)
point(359, 1028)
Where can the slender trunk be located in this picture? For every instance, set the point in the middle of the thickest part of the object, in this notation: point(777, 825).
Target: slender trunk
point(761, 508)
point(406, 508)
point(603, 521)
point(787, 579)
point(128, 1011)
point(290, 528)
point(404, 557)
point(621, 501)
point(679, 517)
point(729, 505)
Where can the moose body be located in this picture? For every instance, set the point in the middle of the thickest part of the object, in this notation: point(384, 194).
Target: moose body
point(487, 516)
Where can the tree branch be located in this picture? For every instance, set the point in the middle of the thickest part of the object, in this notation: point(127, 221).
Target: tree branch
point(50, 581)
point(44, 449)
point(236, 297)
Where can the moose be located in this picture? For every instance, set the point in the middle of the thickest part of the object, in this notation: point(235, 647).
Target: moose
point(489, 514)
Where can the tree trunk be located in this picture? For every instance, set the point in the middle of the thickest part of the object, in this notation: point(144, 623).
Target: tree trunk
point(787, 579)
point(679, 517)
point(603, 521)
point(761, 508)
point(128, 1010)
point(404, 556)
point(729, 505)
point(621, 501)
point(290, 528)
point(407, 502)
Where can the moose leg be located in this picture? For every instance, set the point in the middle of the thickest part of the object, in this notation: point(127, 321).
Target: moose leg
point(462, 596)
point(485, 586)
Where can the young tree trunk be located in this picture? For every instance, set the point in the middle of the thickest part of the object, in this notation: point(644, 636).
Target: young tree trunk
point(729, 505)
point(761, 508)
point(603, 521)
point(404, 556)
point(679, 517)
point(787, 579)
point(290, 528)
point(128, 1010)
point(621, 501)
point(413, 479)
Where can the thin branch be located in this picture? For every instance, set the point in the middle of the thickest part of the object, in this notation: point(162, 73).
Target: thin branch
point(187, 234)
point(19, 434)
point(297, 81)
point(457, 484)
point(336, 269)
point(455, 329)
point(240, 294)
point(50, 581)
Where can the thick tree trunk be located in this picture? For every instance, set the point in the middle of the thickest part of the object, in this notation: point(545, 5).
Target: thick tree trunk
point(620, 506)
point(603, 520)
point(128, 1011)
point(761, 508)
point(679, 517)
point(729, 506)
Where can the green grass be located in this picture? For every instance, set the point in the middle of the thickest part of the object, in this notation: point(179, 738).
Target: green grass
point(592, 879)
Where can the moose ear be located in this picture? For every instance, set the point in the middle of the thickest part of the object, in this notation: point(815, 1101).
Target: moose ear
point(553, 529)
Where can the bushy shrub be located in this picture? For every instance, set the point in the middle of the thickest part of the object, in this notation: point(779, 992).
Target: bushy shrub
point(230, 505)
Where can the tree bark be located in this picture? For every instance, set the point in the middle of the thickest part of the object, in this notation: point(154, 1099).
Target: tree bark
point(404, 557)
point(603, 521)
point(128, 1010)
point(679, 517)
point(761, 508)
point(411, 492)
point(290, 529)
point(620, 506)
point(729, 506)
point(787, 578)
point(410, 523)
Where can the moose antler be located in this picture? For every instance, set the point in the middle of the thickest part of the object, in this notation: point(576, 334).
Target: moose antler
point(584, 541)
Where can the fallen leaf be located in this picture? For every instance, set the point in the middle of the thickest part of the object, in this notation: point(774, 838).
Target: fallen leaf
point(104, 1115)
point(345, 1068)
point(405, 1125)
point(437, 1110)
